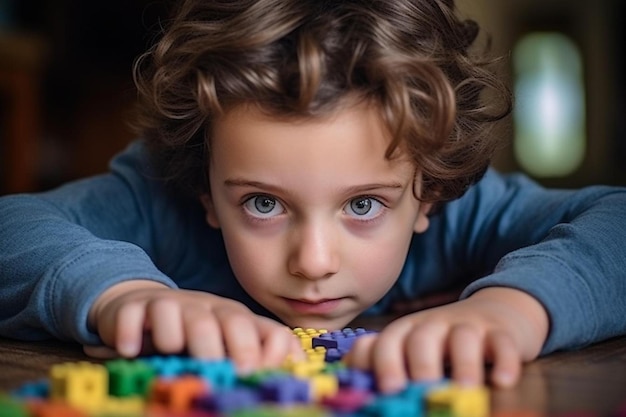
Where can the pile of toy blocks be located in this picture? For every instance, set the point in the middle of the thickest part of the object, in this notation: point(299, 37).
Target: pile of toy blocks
point(175, 386)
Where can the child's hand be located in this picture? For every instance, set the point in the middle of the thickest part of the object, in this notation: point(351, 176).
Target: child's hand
point(207, 326)
point(501, 326)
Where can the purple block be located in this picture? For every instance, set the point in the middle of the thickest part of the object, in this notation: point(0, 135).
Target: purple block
point(355, 379)
point(230, 400)
point(340, 339)
point(333, 355)
point(285, 390)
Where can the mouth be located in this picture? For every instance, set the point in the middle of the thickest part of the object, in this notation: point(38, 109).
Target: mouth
point(321, 306)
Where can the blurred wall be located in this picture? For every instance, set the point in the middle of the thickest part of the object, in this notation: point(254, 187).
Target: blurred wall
point(597, 28)
point(75, 59)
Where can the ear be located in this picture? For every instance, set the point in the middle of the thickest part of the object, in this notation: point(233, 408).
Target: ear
point(209, 208)
point(422, 222)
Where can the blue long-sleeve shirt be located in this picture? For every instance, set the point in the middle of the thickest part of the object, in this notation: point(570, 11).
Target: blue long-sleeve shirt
point(60, 249)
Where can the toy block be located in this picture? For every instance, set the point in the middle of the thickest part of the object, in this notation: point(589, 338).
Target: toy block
point(303, 410)
point(323, 385)
point(121, 407)
point(306, 336)
point(178, 395)
point(316, 354)
point(261, 411)
point(340, 339)
point(80, 384)
point(355, 379)
point(305, 369)
point(229, 401)
point(10, 407)
point(285, 390)
point(256, 378)
point(129, 377)
point(166, 366)
point(158, 410)
point(393, 406)
point(219, 374)
point(348, 400)
point(334, 354)
point(32, 390)
point(54, 409)
point(461, 401)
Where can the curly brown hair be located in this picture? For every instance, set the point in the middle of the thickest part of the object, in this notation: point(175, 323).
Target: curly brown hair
point(300, 58)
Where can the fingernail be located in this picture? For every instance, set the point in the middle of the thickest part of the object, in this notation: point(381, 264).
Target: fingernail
point(128, 350)
point(504, 379)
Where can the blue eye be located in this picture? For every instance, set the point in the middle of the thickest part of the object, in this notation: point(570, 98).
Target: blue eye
point(364, 208)
point(263, 206)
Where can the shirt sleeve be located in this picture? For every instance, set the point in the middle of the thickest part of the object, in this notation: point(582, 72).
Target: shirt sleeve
point(566, 248)
point(60, 249)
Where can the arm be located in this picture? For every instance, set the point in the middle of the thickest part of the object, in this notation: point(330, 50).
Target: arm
point(88, 262)
point(60, 249)
point(544, 254)
point(567, 249)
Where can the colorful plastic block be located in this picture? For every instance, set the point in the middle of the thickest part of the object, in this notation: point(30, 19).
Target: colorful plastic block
point(33, 390)
point(121, 407)
point(230, 400)
point(355, 378)
point(12, 408)
point(54, 409)
point(285, 390)
point(348, 400)
point(393, 406)
point(461, 401)
point(129, 377)
point(178, 395)
point(82, 384)
point(220, 374)
point(323, 385)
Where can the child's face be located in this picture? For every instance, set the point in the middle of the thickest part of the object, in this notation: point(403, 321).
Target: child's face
point(316, 221)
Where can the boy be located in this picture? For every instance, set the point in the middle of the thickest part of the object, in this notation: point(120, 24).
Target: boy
point(303, 162)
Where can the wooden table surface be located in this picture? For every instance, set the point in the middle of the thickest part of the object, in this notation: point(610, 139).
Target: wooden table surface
point(590, 382)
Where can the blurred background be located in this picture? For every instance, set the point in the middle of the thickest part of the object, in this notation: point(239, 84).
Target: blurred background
point(66, 88)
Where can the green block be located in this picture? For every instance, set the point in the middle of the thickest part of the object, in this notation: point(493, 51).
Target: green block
point(129, 377)
point(12, 408)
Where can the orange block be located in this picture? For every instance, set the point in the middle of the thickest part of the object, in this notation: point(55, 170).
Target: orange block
point(178, 394)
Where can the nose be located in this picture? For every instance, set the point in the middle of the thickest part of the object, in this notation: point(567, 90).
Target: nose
point(314, 252)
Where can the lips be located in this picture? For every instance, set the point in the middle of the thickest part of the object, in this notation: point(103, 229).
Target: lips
point(324, 306)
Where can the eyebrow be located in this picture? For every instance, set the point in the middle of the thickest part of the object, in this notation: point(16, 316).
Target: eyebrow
point(350, 190)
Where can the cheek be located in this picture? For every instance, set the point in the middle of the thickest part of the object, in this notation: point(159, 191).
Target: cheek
point(377, 267)
point(252, 262)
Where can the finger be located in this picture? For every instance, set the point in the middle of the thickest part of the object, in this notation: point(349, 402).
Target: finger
point(241, 339)
point(129, 329)
point(165, 322)
point(507, 361)
point(204, 336)
point(466, 354)
point(360, 355)
point(425, 351)
point(388, 357)
point(278, 343)
point(100, 352)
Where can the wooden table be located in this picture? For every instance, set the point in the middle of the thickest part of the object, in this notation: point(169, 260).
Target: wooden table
point(587, 382)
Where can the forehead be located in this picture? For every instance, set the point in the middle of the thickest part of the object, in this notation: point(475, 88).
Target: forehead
point(347, 147)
